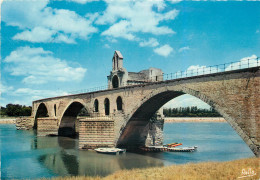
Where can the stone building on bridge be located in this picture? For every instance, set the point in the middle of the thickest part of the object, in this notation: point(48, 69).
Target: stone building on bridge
point(119, 76)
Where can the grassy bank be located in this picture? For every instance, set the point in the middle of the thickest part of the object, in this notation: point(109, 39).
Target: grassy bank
point(199, 171)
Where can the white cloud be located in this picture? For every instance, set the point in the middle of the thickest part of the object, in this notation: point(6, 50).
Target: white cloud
point(186, 100)
point(25, 96)
point(41, 34)
point(130, 17)
point(152, 42)
point(174, 1)
point(194, 70)
point(82, 1)
point(40, 23)
point(4, 88)
point(257, 31)
point(38, 66)
point(164, 50)
point(186, 48)
point(37, 34)
point(107, 46)
point(37, 94)
point(121, 29)
point(245, 62)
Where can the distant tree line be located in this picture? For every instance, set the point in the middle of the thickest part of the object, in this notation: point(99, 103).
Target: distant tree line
point(193, 111)
point(15, 110)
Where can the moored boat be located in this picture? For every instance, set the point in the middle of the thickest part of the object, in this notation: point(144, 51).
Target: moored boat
point(173, 145)
point(183, 149)
point(110, 150)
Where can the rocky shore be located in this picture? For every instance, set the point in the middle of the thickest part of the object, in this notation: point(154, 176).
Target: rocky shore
point(193, 119)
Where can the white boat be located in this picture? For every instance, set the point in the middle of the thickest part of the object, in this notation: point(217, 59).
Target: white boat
point(183, 149)
point(110, 150)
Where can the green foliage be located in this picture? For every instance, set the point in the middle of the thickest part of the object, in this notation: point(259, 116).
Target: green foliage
point(190, 112)
point(16, 110)
point(2, 111)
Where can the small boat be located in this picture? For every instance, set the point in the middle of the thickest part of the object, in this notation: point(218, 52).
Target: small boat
point(183, 149)
point(173, 145)
point(110, 150)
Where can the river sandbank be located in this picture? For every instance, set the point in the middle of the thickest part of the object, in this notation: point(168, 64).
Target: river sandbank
point(193, 119)
point(8, 121)
point(237, 169)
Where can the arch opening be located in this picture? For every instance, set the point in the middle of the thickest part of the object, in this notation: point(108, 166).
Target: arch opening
point(119, 103)
point(96, 106)
point(55, 109)
point(107, 106)
point(135, 132)
point(69, 125)
point(115, 82)
point(41, 112)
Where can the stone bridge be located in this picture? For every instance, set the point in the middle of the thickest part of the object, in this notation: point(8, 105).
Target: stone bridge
point(121, 117)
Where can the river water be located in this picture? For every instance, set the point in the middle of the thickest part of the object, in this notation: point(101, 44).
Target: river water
point(24, 155)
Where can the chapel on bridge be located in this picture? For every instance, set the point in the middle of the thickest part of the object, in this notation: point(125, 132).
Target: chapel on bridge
point(120, 77)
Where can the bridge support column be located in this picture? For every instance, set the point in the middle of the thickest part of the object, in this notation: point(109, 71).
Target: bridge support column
point(96, 132)
point(154, 132)
point(47, 126)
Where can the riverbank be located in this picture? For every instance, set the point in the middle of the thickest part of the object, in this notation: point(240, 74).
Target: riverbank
point(167, 119)
point(243, 168)
point(193, 119)
point(7, 120)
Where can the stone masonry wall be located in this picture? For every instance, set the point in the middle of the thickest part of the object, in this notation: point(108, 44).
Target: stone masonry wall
point(95, 133)
point(47, 126)
point(24, 123)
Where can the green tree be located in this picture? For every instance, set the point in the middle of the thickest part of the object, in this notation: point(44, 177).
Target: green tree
point(18, 110)
point(2, 111)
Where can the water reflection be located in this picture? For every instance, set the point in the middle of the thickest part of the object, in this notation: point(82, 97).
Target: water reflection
point(68, 160)
point(26, 156)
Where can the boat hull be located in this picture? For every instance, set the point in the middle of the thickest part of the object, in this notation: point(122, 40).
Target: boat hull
point(113, 151)
point(184, 149)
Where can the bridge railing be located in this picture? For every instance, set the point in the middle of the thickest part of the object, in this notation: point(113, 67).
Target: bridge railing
point(203, 70)
point(190, 72)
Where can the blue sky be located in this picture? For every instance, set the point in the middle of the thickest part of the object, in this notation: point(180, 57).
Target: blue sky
point(50, 48)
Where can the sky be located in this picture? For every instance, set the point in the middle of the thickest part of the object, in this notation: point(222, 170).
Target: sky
point(52, 48)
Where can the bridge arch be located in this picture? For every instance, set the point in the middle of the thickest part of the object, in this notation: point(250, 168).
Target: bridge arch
point(41, 111)
point(68, 125)
point(131, 130)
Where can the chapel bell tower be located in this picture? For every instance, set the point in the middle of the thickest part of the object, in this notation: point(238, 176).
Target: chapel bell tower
point(118, 75)
point(117, 61)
